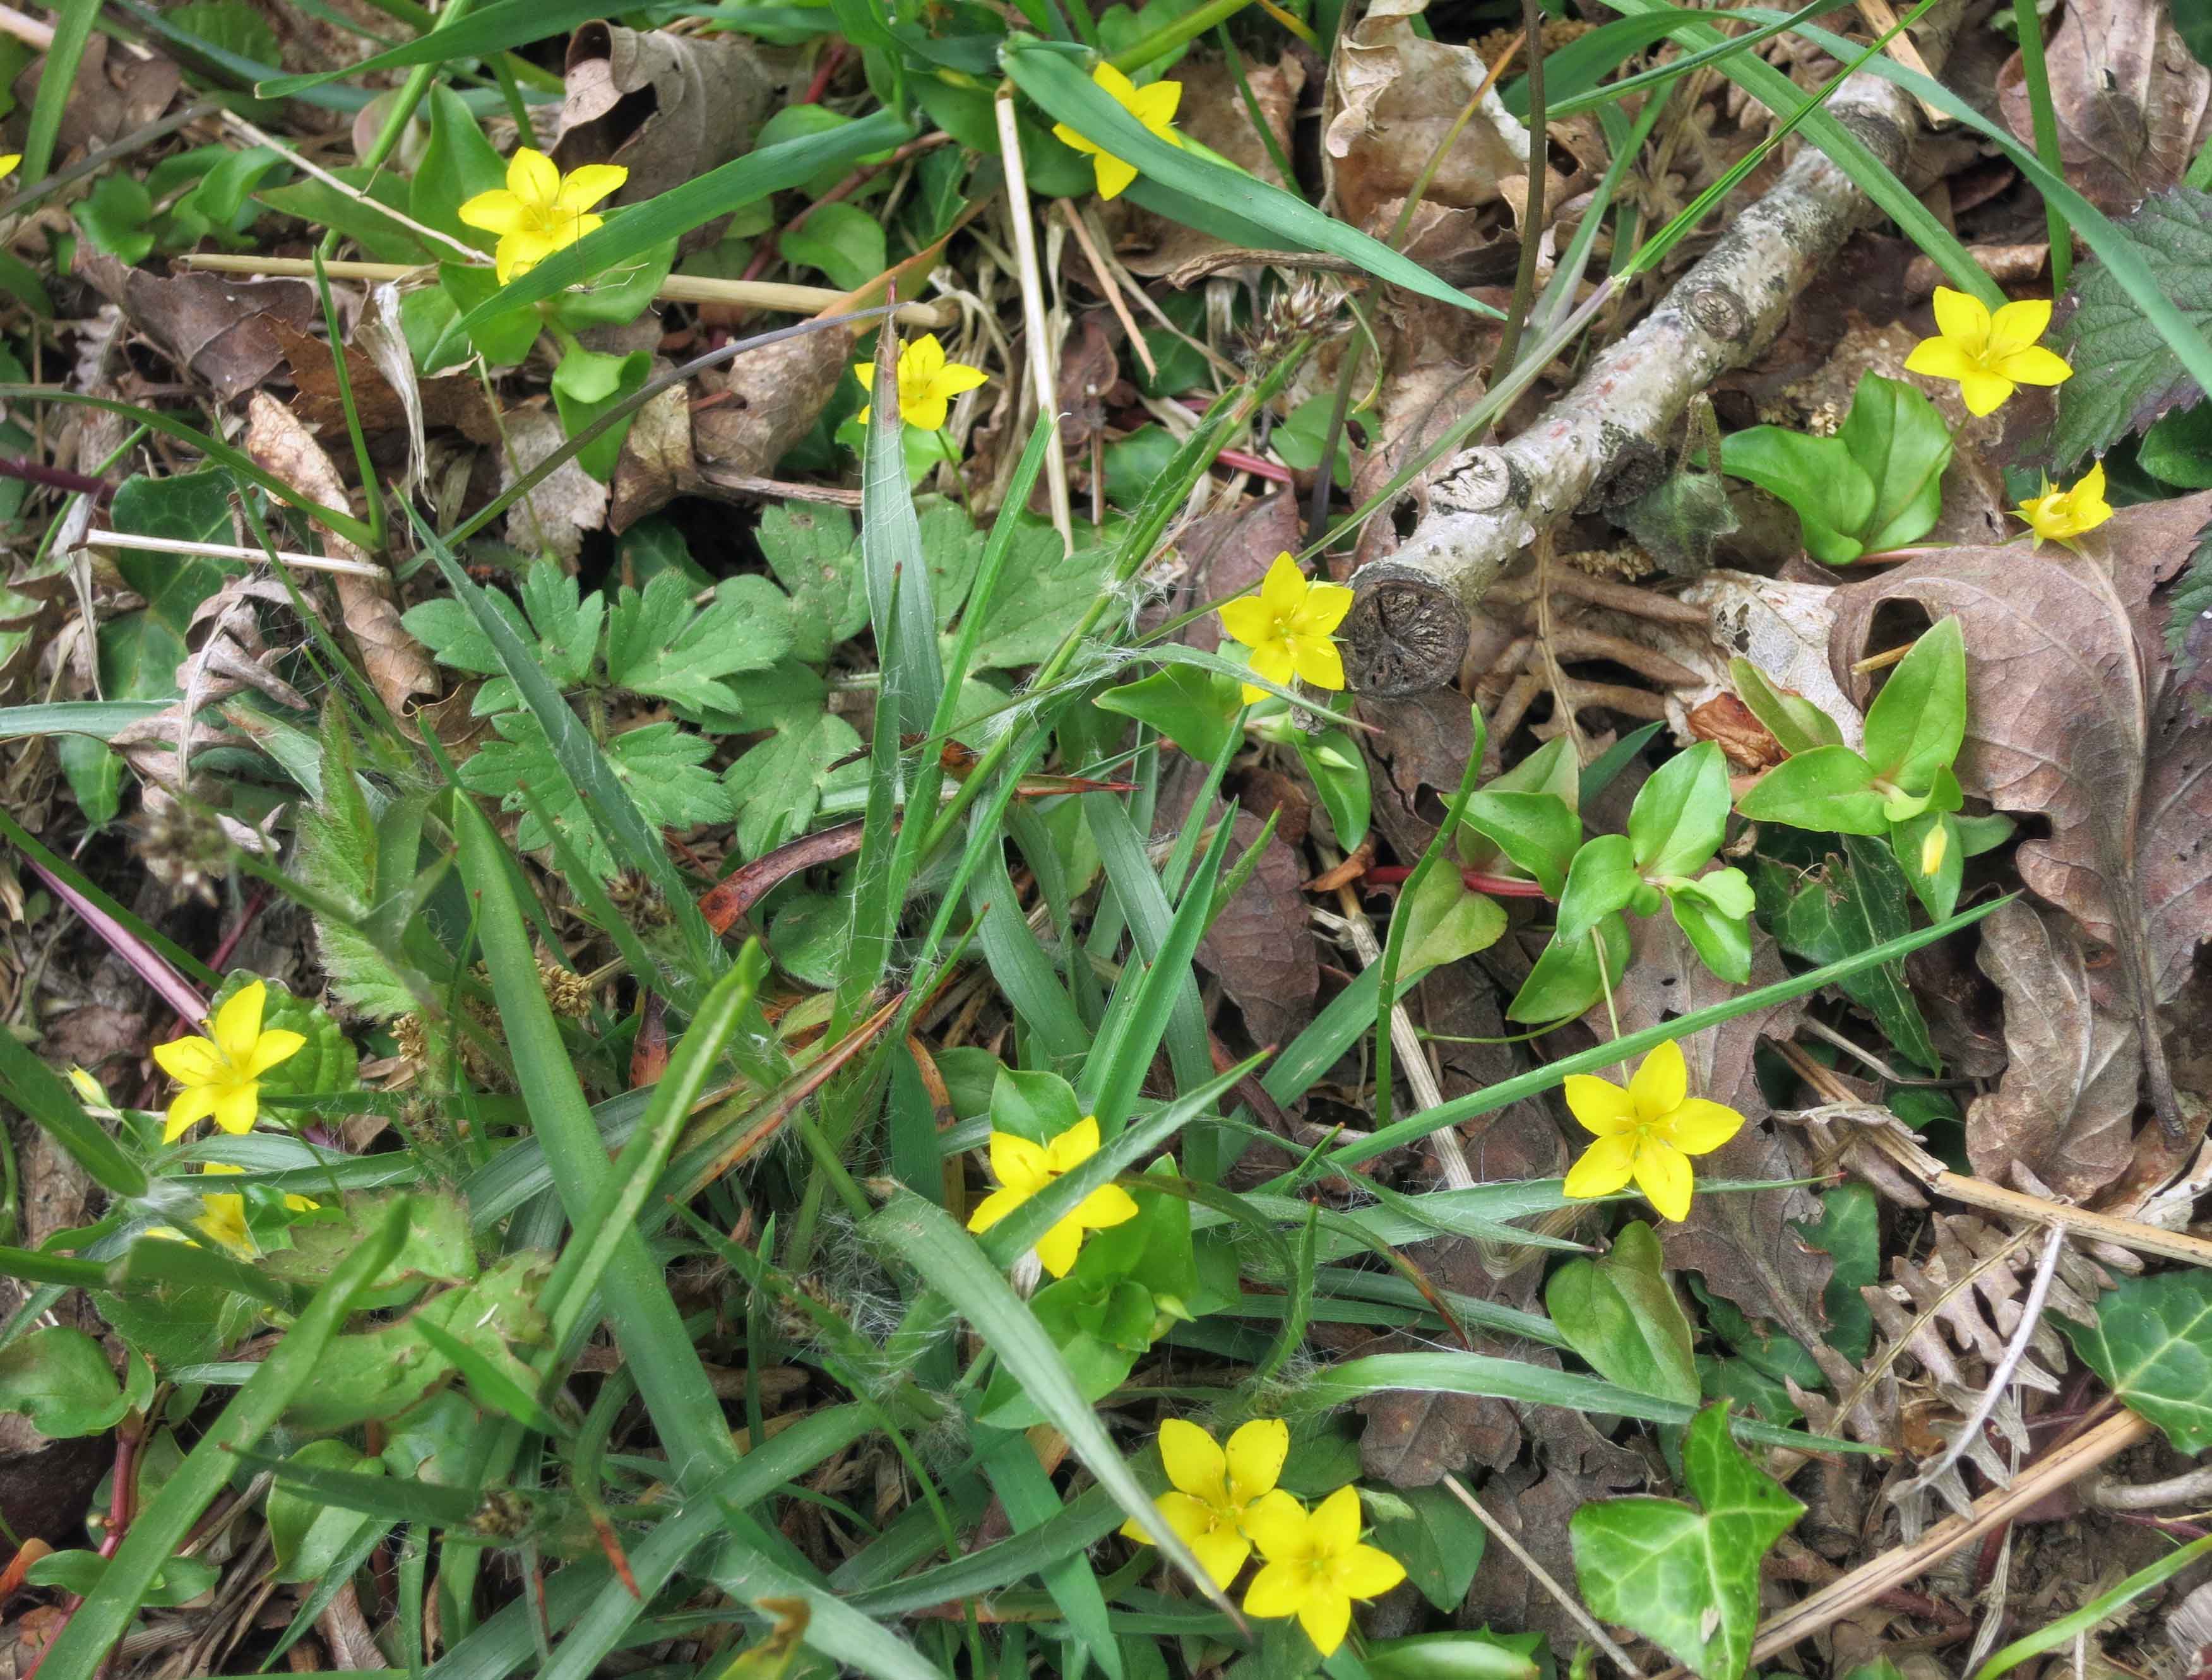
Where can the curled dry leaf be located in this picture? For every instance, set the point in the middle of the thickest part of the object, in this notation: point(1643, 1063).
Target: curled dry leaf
point(385, 402)
point(768, 400)
point(1260, 948)
point(655, 465)
point(668, 108)
point(2066, 1106)
point(2132, 102)
point(397, 666)
point(218, 328)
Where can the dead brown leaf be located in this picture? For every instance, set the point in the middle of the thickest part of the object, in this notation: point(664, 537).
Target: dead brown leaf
point(2131, 100)
point(1260, 948)
point(656, 464)
point(1089, 368)
point(555, 516)
point(774, 395)
point(106, 99)
point(216, 327)
point(397, 666)
point(450, 401)
point(1421, 751)
point(2066, 1107)
point(668, 108)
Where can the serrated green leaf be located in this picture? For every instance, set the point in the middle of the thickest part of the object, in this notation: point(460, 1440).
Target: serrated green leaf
point(656, 645)
point(1043, 595)
point(1687, 1579)
point(2152, 1344)
point(778, 784)
point(811, 551)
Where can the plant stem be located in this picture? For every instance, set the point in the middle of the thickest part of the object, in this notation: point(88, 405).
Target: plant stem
point(1532, 217)
point(403, 112)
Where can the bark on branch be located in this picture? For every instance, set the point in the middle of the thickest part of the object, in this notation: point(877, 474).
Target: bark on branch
point(1600, 443)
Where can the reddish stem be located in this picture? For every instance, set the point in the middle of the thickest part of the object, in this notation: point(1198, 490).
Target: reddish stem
point(823, 72)
point(123, 1505)
point(1253, 465)
point(1497, 886)
point(55, 478)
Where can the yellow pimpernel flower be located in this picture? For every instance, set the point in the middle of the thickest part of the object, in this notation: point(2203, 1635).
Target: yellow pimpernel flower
point(1647, 1132)
point(1933, 845)
point(223, 1217)
point(220, 1074)
point(1153, 105)
point(1023, 1169)
point(9, 164)
point(540, 210)
point(1988, 354)
point(2059, 516)
point(1315, 1566)
point(1216, 1493)
point(1288, 627)
point(927, 382)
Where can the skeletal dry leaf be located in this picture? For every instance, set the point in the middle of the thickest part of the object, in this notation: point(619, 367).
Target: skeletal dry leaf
point(2066, 1106)
point(397, 666)
point(2133, 104)
point(668, 108)
point(217, 327)
point(556, 515)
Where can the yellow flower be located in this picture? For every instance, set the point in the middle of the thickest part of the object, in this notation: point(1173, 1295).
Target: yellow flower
point(1154, 106)
point(540, 210)
point(1933, 845)
point(1647, 1132)
point(9, 164)
point(1988, 354)
point(1315, 1566)
point(1216, 1493)
point(220, 1074)
point(222, 1220)
point(2057, 516)
point(1023, 1169)
point(927, 382)
point(1287, 626)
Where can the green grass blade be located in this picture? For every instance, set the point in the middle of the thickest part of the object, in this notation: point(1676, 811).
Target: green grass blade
point(73, 25)
point(81, 1647)
point(2095, 1611)
point(102, 719)
point(493, 29)
point(1032, 1503)
point(925, 1238)
point(1065, 92)
point(2027, 24)
point(38, 1090)
point(1492, 1098)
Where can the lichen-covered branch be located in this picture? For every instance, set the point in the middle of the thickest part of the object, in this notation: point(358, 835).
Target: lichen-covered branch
point(1603, 442)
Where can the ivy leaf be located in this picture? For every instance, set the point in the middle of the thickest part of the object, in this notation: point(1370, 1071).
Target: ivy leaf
point(663, 768)
point(140, 651)
point(812, 554)
point(657, 645)
point(2124, 376)
point(1850, 1231)
point(778, 784)
point(1687, 1579)
point(2152, 1344)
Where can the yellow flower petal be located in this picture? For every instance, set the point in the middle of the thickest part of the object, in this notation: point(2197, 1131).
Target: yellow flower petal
point(1336, 1522)
point(1939, 358)
point(865, 372)
point(1284, 589)
point(588, 183)
point(495, 212)
point(235, 1105)
point(1247, 620)
point(2017, 325)
point(1155, 107)
point(927, 409)
point(1113, 176)
point(920, 360)
point(1661, 1083)
point(1964, 319)
point(1272, 662)
point(1278, 1525)
point(1277, 1590)
point(238, 1023)
point(1364, 1572)
point(958, 377)
point(1188, 1516)
point(994, 1207)
point(1221, 1553)
point(9, 164)
point(1067, 137)
point(1602, 1106)
point(278, 1045)
point(1114, 83)
point(1326, 1614)
point(1316, 661)
point(1663, 1173)
point(533, 177)
point(1018, 1164)
point(2035, 366)
point(1195, 1462)
point(1983, 393)
point(186, 1110)
point(1108, 1206)
point(1324, 609)
point(520, 251)
point(1605, 1167)
point(1057, 1249)
point(1700, 1127)
point(1256, 1453)
point(1073, 1146)
point(191, 1061)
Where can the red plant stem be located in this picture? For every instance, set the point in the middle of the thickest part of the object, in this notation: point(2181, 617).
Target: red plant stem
point(123, 1505)
point(823, 73)
point(1497, 886)
point(1253, 465)
point(55, 478)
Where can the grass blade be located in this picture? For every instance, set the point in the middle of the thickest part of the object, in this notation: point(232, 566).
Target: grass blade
point(73, 26)
point(2082, 1620)
point(38, 1090)
point(493, 29)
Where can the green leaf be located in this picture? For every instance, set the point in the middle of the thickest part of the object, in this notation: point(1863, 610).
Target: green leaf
point(1687, 1579)
point(1537, 834)
point(59, 1379)
point(586, 385)
point(1338, 773)
point(1441, 1543)
point(1066, 94)
point(2152, 1344)
point(178, 1581)
point(1829, 789)
point(1793, 720)
point(1445, 922)
point(307, 1535)
point(115, 218)
point(1851, 905)
point(2126, 374)
point(2178, 448)
point(811, 551)
point(38, 1090)
point(1043, 596)
point(617, 295)
point(495, 27)
point(1849, 1232)
point(1681, 815)
point(1620, 1314)
point(1476, 1654)
point(1601, 882)
point(1196, 709)
point(1832, 493)
point(323, 206)
point(658, 646)
point(1911, 840)
point(140, 651)
point(1565, 980)
point(457, 165)
point(778, 784)
point(842, 241)
point(1900, 442)
point(502, 336)
point(1918, 721)
point(1720, 933)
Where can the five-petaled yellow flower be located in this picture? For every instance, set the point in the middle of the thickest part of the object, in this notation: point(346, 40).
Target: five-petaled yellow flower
point(1647, 1132)
point(223, 1217)
point(1988, 354)
point(1153, 105)
point(2059, 516)
point(1023, 1169)
point(1287, 626)
point(220, 1074)
point(540, 210)
point(1217, 1494)
point(927, 382)
point(9, 164)
point(1315, 1566)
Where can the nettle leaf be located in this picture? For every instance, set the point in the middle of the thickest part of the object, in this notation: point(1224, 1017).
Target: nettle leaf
point(2125, 377)
point(657, 644)
point(1445, 922)
point(1687, 1579)
point(1850, 1231)
point(1830, 789)
point(2188, 621)
point(663, 768)
point(2152, 1344)
point(812, 552)
point(778, 784)
point(1621, 1315)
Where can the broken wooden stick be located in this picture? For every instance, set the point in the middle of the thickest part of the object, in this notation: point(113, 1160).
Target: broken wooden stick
point(1605, 441)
